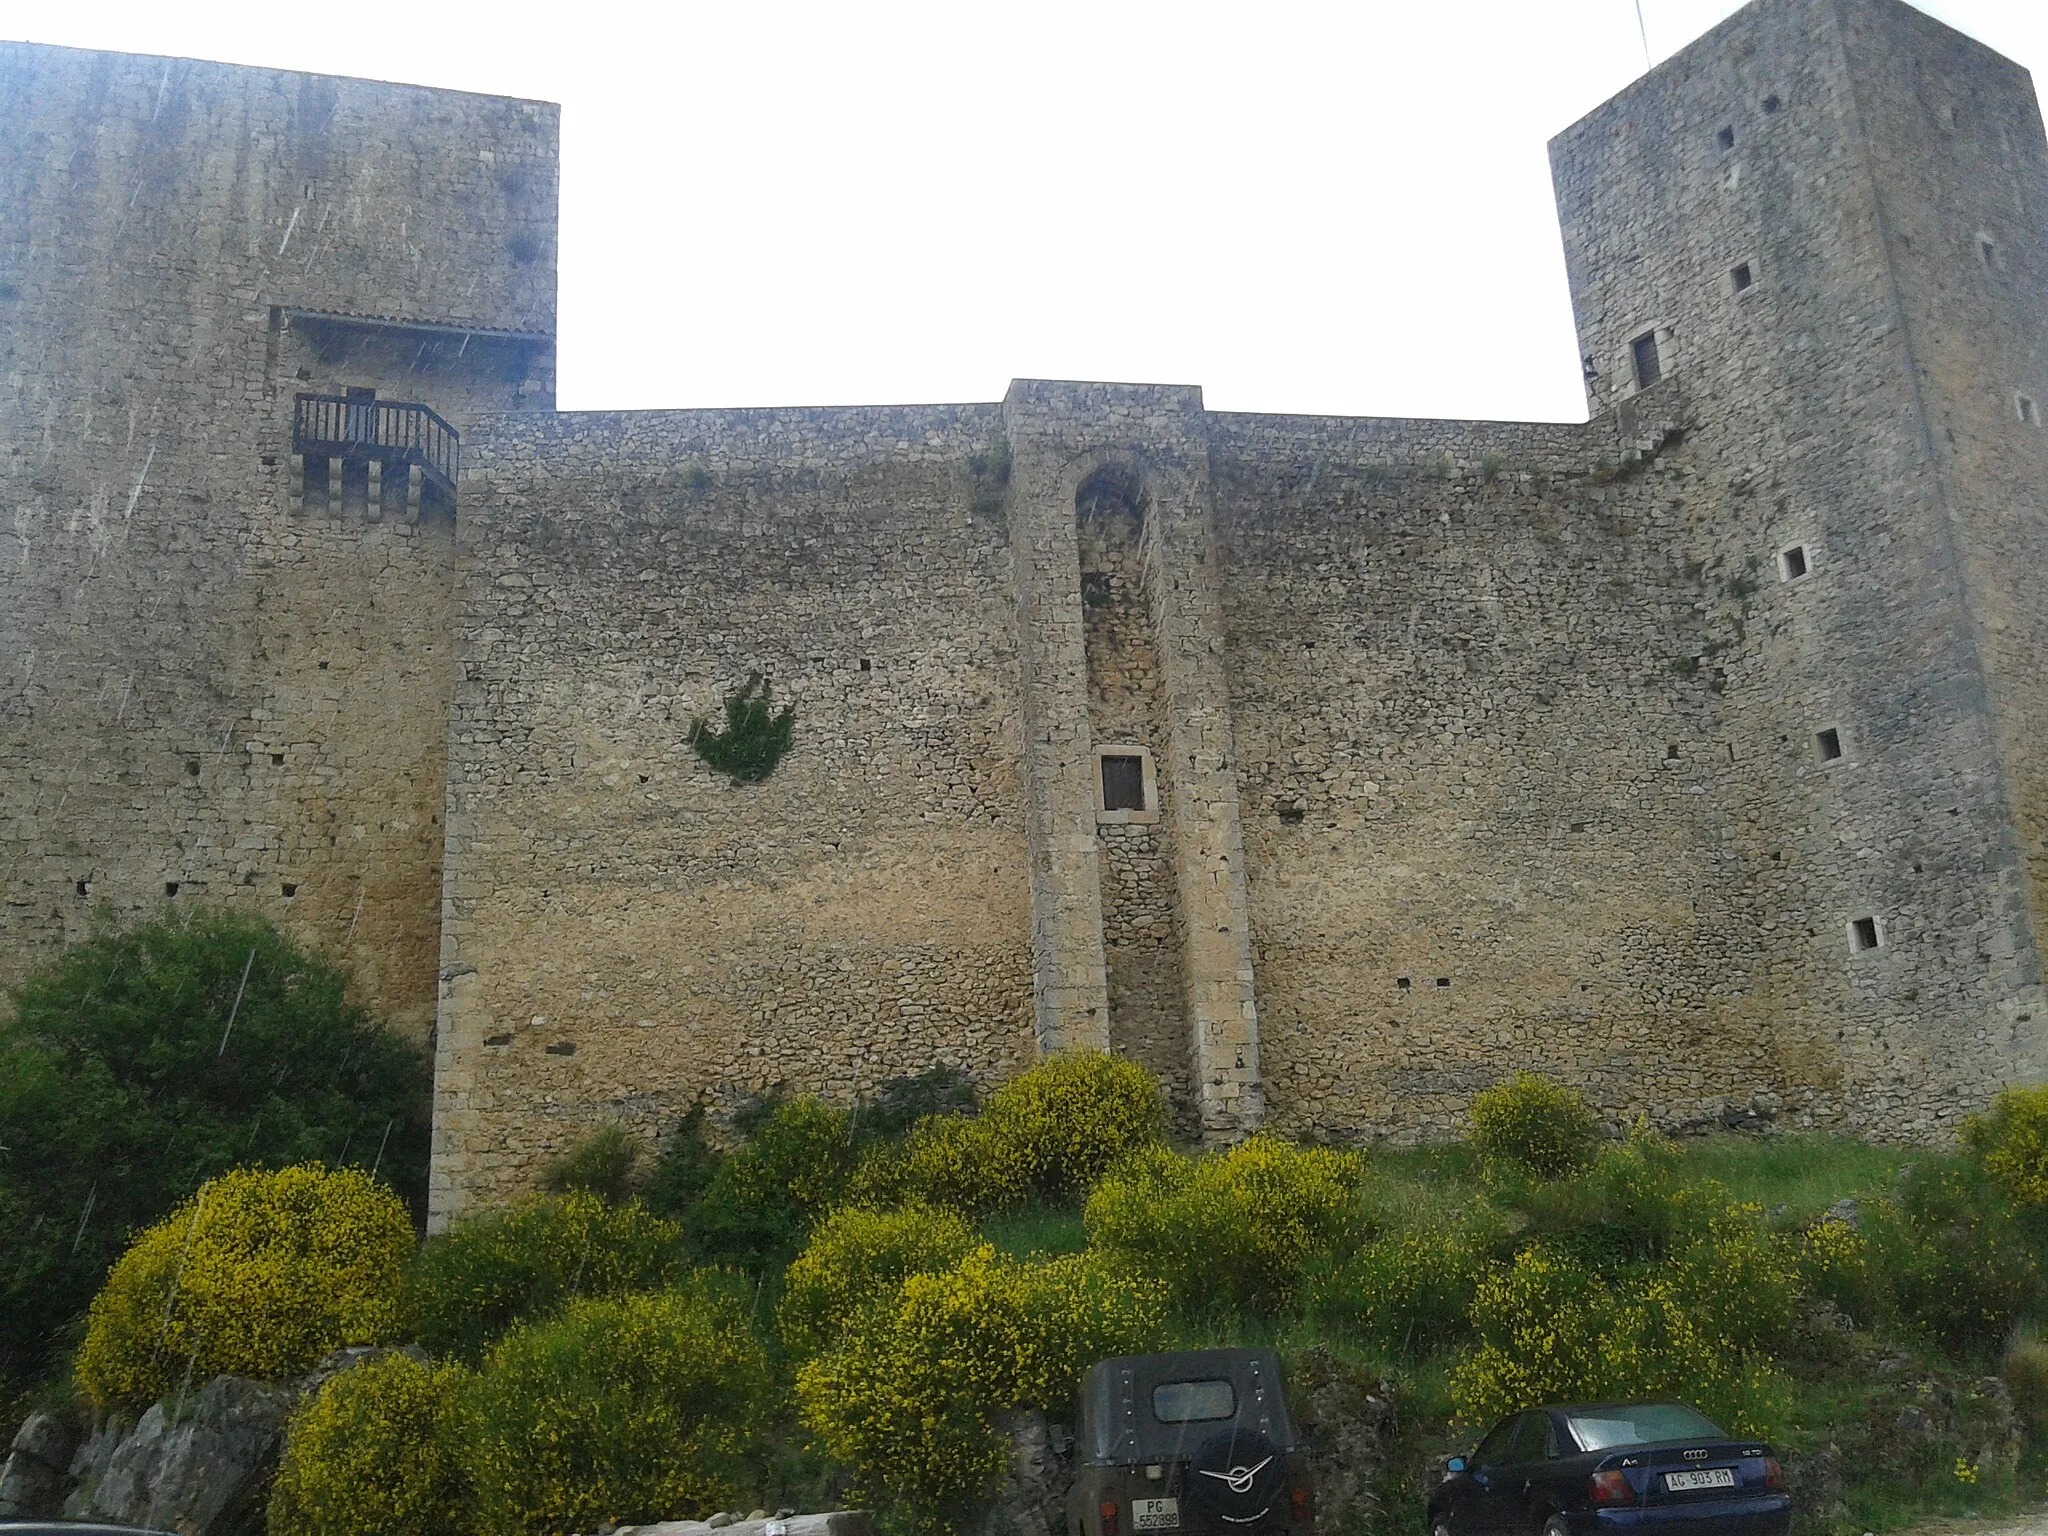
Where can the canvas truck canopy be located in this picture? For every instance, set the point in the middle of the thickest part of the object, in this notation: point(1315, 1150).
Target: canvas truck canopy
point(1147, 1408)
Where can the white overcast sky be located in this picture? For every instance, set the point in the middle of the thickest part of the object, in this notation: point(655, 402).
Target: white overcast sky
point(1300, 207)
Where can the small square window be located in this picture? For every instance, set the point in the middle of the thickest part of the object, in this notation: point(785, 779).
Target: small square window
point(1829, 742)
point(1740, 276)
point(1864, 934)
point(1123, 783)
point(1726, 138)
point(1649, 363)
point(1403, 983)
point(1443, 981)
point(1792, 562)
point(2030, 413)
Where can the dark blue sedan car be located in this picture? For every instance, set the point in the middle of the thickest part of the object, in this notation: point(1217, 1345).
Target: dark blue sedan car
point(1596, 1468)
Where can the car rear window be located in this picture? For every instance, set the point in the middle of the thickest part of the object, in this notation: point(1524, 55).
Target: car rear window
point(1600, 1428)
point(1186, 1402)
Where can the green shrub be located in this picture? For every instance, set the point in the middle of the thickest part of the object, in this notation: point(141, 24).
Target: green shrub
point(1549, 1329)
point(903, 1101)
point(1535, 1123)
point(755, 735)
point(1952, 1262)
point(1624, 1208)
point(259, 1274)
point(684, 1170)
point(1070, 1117)
point(150, 1058)
point(857, 1258)
point(633, 1410)
point(602, 1164)
point(797, 1161)
point(906, 1398)
point(492, 1271)
point(1411, 1291)
point(375, 1454)
point(2025, 1371)
point(2010, 1143)
point(1832, 1260)
point(1238, 1227)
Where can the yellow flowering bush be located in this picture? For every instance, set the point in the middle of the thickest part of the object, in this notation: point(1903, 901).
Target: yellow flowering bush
point(631, 1410)
point(496, 1269)
point(1531, 1121)
point(1833, 1261)
point(1238, 1227)
point(907, 1396)
point(857, 1257)
point(375, 1454)
point(258, 1274)
point(1073, 1115)
point(960, 1162)
point(2010, 1143)
point(1409, 1291)
point(1552, 1330)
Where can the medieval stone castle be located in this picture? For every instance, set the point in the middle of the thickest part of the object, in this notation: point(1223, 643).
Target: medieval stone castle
point(1332, 767)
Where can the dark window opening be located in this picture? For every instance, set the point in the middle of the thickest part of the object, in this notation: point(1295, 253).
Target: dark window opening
point(1443, 981)
point(1863, 933)
point(1772, 104)
point(562, 1048)
point(1123, 783)
point(277, 759)
point(2029, 412)
point(83, 888)
point(1726, 138)
point(866, 665)
point(1793, 562)
point(1291, 815)
point(1649, 363)
point(192, 766)
point(1671, 752)
point(290, 890)
point(1578, 826)
point(170, 887)
point(1400, 981)
point(1741, 276)
point(1830, 743)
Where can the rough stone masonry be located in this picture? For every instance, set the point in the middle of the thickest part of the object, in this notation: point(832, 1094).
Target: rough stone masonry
point(1332, 767)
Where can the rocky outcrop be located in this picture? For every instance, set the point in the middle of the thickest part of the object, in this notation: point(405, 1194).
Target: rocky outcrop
point(201, 1468)
point(1347, 1418)
point(33, 1479)
point(1031, 1496)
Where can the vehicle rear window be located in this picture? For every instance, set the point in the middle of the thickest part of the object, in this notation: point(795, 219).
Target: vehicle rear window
point(1186, 1402)
point(1600, 1428)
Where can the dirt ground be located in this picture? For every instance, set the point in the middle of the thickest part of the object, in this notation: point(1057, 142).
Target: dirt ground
point(2034, 1524)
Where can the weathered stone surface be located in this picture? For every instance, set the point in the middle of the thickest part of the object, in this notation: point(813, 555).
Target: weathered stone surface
point(1030, 1497)
point(201, 1471)
point(843, 1522)
point(1347, 1416)
point(34, 1478)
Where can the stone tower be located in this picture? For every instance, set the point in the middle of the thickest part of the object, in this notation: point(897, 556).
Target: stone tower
point(1827, 221)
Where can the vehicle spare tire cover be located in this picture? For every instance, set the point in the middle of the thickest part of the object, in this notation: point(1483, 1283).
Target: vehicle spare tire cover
point(1235, 1476)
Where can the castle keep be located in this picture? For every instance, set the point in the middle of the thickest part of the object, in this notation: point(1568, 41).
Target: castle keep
point(1697, 754)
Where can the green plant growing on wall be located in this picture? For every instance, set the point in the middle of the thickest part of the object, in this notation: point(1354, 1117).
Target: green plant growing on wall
point(754, 738)
point(991, 472)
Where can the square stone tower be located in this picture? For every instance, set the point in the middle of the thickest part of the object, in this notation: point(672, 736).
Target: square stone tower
point(1827, 223)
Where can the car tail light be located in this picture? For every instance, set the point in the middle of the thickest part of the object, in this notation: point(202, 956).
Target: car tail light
point(1610, 1488)
point(1297, 1505)
point(1774, 1475)
point(1107, 1509)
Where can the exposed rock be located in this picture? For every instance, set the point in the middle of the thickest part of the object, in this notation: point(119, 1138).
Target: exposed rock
point(35, 1476)
point(1347, 1417)
point(201, 1470)
point(843, 1522)
point(336, 1362)
point(1031, 1497)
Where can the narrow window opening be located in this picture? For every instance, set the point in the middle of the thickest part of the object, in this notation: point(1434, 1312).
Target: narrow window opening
point(1772, 104)
point(2030, 413)
point(83, 888)
point(1987, 252)
point(1863, 934)
point(866, 665)
point(1830, 743)
point(1123, 783)
point(290, 890)
point(277, 759)
point(1792, 563)
point(1443, 981)
point(192, 766)
point(170, 887)
point(1400, 981)
point(1649, 363)
point(1578, 826)
point(1291, 815)
point(1741, 276)
point(1671, 752)
point(1726, 138)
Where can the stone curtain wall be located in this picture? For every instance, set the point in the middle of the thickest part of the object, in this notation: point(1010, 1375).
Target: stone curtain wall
point(626, 932)
point(199, 690)
point(1810, 429)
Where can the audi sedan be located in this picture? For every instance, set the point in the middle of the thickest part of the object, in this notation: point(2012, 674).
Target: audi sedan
point(1612, 1467)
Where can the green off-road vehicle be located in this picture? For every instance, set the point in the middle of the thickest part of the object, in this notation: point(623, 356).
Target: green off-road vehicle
point(1199, 1441)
